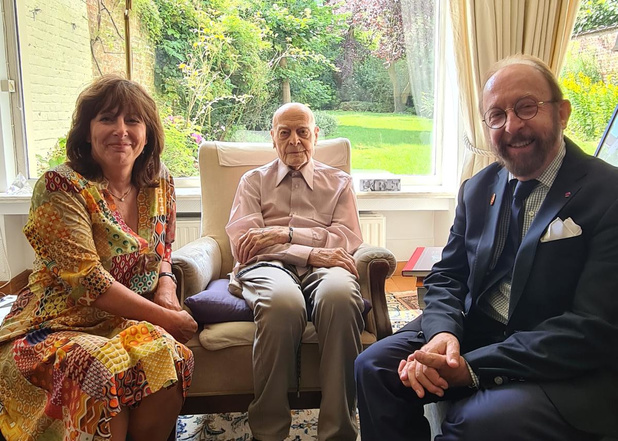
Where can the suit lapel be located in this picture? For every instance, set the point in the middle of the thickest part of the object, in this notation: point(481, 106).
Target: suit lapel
point(487, 242)
point(568, 182)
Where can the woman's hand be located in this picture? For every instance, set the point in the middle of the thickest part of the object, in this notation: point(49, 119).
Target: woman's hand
point(121, 301)
point(165, 295)
point(180, 325)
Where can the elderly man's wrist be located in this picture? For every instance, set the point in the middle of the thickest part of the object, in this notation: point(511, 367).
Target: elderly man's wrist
point(475, 379)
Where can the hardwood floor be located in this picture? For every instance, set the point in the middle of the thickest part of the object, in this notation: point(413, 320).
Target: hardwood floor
point(398, 283)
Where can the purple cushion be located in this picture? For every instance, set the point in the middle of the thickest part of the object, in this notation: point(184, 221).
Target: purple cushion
point(215, 305)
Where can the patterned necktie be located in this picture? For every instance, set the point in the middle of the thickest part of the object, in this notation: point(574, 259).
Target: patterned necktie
point(504, 266)
point(521, 193)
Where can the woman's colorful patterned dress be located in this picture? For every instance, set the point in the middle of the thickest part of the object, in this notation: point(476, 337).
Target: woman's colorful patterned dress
point(67, 367)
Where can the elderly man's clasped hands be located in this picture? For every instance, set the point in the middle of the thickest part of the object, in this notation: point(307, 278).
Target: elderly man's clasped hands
point(256, 239)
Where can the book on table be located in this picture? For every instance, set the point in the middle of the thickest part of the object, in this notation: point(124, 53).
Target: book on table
point(419, 266)
point(421, 262)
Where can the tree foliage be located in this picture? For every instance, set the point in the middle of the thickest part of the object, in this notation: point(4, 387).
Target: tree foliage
point(378, 26)
point(595, 14)
point(303, 37)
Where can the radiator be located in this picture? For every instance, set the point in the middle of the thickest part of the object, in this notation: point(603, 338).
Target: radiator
point(187, 230)
point(373, 227)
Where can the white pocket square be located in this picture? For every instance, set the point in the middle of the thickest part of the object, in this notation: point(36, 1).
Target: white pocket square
point(559, 229)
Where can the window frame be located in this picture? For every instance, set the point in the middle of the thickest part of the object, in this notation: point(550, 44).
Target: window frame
point(12, 118)
point(445, 148)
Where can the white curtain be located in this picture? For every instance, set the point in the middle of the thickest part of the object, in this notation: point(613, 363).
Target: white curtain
point(486, 31)
point(418, 18)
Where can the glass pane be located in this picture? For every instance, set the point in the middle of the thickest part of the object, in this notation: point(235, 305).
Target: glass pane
point(366, 69)
point(220, 68)
point(589, 77)
point(63, 45)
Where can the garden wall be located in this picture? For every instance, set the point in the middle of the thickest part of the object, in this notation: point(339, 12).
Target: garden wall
point(600, 44)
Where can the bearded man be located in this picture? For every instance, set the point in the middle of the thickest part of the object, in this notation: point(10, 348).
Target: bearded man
point(521, 325)
point(293, 228)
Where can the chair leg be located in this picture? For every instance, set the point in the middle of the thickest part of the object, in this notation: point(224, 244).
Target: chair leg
point(172, 436)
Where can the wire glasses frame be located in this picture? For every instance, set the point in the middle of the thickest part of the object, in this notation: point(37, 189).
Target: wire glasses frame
point(525, 109)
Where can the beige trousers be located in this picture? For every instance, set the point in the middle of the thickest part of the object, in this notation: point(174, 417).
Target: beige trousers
point(278, 303)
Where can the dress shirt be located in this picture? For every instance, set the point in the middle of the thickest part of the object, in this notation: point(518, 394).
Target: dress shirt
point(318, 201)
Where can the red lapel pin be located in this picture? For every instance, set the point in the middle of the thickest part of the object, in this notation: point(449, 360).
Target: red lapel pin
point(567, 194)
point(493, 199)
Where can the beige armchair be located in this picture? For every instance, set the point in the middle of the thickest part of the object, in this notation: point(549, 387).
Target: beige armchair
point(223, 380)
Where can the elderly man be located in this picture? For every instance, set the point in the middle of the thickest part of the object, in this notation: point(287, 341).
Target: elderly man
point(521, 325)
point(293, 228)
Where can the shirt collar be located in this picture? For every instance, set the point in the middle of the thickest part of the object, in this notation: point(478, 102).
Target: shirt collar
point(549, 174)
point(306, 172)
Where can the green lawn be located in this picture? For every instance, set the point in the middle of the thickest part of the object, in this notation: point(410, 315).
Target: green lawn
point(395, 143)
point(588, 146)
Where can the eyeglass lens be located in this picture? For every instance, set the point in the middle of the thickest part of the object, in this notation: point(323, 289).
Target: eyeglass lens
point(525, 108)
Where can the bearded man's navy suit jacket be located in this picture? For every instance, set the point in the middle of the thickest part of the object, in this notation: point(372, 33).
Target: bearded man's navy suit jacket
point(562, 329)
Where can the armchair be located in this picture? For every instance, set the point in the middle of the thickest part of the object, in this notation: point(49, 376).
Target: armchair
point(223, 379)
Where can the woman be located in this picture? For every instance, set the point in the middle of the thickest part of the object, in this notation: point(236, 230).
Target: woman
point(84, 353)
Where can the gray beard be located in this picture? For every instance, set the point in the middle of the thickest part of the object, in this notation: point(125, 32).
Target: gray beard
point(526, 166)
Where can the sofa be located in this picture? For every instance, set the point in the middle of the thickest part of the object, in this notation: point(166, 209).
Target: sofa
point(222, 379)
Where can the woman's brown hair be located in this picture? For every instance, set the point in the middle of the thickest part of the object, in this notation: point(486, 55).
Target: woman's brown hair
point(114, 93)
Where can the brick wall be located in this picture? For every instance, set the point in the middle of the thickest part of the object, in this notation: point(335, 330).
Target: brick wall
point(107, 34)
point(600, 45)
point(58, 62)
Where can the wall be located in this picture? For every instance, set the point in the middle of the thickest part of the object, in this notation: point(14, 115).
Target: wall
point(108, 46)
point(55, 48)
point(599, 45)
point(405, 230)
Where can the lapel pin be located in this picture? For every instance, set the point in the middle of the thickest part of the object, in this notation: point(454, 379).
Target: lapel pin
point(567, 194)
point(493, 199)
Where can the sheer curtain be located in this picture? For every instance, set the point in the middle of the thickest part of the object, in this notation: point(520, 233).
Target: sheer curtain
point(418, 18)
point(486, 31)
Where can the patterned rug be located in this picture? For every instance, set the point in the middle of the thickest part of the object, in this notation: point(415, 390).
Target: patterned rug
point(402, 308)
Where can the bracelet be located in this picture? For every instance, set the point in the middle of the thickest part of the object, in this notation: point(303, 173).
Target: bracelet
point(290, 233)
point(170, 275)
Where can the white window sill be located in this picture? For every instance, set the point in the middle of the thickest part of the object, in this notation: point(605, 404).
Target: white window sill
point(188, 200)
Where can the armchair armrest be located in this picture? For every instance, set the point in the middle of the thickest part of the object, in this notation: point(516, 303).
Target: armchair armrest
point(374, 265)
point(195, 265)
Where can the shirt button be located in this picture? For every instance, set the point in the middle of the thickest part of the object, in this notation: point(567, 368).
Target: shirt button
point(531, 213)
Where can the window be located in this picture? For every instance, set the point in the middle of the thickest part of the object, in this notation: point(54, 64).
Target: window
point(219, 69)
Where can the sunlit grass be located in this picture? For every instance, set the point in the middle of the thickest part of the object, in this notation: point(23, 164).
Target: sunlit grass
point(396, 143)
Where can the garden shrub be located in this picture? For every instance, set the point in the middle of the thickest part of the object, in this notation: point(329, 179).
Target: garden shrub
point(592, 104)
point(181, 144)
point(327, 123)
point(54, 156)
point(365, 106)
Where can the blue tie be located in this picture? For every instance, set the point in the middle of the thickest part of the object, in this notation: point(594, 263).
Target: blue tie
point(504, 266)
point(521, 193)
